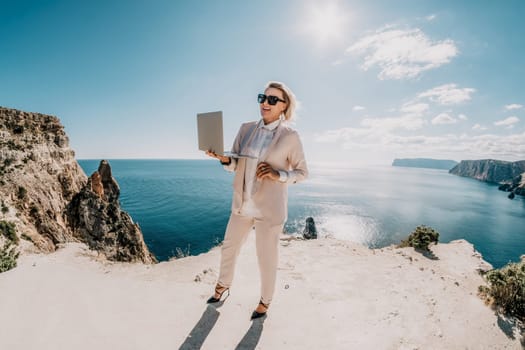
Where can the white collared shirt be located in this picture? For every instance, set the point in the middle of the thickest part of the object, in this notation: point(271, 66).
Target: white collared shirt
point(259, 143)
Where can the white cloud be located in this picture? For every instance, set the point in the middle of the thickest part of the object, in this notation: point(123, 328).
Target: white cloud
point(358, 108)
point(374, 142)
point(414, 108)
point(337, 62)
point(407, 122)
point(430, 18)
point(497, 146)
point(513, 106)
point(508, 122)
point(448, 94)
point(444, 118)
point(382, 139)
point(479, 127)
point(331, 136)
point(402, 54)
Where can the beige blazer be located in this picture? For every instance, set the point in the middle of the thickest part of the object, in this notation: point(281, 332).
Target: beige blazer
point(284, 153)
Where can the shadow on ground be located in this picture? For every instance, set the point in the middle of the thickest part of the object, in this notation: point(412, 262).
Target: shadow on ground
point(512, 328)
point(202, 329)
point(252, 336)
point(209, 318)
point(427, 253)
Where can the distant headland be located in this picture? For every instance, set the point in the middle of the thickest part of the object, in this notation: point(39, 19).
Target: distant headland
point(509, 175)
point(430, 163)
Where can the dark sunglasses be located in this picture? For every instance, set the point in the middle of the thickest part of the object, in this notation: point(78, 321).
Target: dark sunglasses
point(272, 100)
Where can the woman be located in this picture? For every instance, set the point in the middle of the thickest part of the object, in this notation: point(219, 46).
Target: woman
point(269, 156)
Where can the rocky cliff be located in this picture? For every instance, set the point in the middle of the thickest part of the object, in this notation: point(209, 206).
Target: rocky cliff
point(45, 193)
point(510, 175)
point(489, 170)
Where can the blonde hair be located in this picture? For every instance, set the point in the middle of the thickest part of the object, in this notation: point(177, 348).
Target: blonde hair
point(288, 96)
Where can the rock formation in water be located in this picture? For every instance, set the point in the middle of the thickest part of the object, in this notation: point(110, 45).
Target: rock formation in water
point(444, 164)
point(310, 231)
point(45, 193)
point(489, 170)
point(96, 218)
point(516, 186)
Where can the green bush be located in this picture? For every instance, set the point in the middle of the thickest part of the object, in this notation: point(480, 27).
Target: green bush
point(8, 162)
point(14, 146)
point(180, 253)
point(22, 192)
point(33, 210)
point(26, 237)
point(19, 129)
point(7, 229)
point(8, 256)
point(421, 238)
point(5, 209)
point(506, 289)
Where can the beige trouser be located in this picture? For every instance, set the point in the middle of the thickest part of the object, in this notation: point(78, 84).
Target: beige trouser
point(267, 244)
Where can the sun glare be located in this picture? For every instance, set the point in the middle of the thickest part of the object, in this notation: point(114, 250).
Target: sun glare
point(326, 23)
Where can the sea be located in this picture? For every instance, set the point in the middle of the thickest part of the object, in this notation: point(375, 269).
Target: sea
point(183, 206)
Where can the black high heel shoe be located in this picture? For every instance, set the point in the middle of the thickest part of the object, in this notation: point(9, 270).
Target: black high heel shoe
point(256, 314)
point(212, 299)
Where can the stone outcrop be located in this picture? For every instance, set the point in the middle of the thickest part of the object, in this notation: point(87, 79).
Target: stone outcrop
point(489, 170)
point(96, 218)
point(310, 231)
point(515, 187)
point(39, 178)
point(444, 164)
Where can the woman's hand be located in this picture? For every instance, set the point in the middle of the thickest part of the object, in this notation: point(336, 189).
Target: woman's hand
point(265, 170)
point(222, 159)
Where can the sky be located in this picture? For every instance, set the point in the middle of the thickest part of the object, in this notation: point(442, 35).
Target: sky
point(376, 80)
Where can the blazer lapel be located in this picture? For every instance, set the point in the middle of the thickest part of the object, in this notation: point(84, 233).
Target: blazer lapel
point(246, 140)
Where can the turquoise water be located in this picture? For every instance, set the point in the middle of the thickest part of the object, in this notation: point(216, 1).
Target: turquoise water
point(186, 204)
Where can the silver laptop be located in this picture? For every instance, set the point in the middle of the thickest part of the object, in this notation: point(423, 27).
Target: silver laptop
point(209, 128)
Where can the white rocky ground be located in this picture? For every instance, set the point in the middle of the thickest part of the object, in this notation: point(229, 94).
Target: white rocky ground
point(330, 295)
